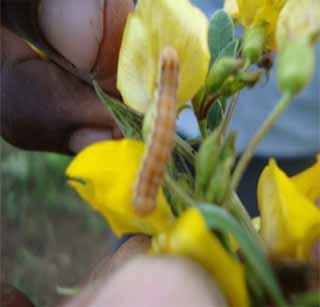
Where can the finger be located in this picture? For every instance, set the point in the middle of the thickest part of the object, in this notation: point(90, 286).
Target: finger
point(88, 33)
point(158, 282)
point(43, 107)
point(74, 28)
point(135, 246)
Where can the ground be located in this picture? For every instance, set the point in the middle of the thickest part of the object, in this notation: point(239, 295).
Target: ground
point(50, 239)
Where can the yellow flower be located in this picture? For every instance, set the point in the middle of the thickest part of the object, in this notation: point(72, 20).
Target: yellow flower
point(190, 237)
point(231, 6)
point(257, 12)
point(299, 20)
point(104, 175)
point(308, 181)
point(290, 220)
point(153, 26)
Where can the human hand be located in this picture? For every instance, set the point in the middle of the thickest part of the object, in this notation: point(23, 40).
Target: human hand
point(44, 107)
point(130, 278)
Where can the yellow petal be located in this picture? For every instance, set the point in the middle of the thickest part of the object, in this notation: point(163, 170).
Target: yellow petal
point(299, 20)
point(308, 181)
point(257, 12)
point(104, 174)
point(153, 26)
point(231, 7)
point(248, 10)
point(289, 220)
point(190, 237)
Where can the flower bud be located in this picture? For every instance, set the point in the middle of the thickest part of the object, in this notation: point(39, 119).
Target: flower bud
point(220, 177)
point(206, 160)
point(296, 67)
point(221, 70)
point(253, 44)
point(299, 20)
point(250, 78)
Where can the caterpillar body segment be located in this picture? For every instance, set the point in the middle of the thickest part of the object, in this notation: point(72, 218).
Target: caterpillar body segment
point(161, 142)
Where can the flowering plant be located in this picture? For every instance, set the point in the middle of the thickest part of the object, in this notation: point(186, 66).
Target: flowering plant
point(156, 183)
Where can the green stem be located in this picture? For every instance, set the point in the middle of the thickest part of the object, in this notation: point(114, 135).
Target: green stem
point(203, 128)
point(230, 111)
point(246, 65)
point(250, 150)
point(178, 192)
point(185, 150)
point(236, 208)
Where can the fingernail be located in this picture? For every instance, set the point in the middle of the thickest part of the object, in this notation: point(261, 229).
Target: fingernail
point(87, 136)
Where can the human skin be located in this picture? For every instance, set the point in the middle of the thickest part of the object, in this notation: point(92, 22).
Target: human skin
point(131, 278)
point(42, 99)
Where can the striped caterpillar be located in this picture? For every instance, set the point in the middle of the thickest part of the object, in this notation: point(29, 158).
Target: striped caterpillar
point(162, 138)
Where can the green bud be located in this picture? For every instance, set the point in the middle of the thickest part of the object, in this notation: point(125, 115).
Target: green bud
point(220, 179)
point(296, 67)
point(219, 182)
point(221, 70)
point(206, 160)
point(250, 78)
point(253, 43)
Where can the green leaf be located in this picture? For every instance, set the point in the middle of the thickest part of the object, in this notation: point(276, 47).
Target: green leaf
point(216, 113)
point(128, 120)
point(231, 49)
point(221, 33)
point(220, 220)
point(308, 299)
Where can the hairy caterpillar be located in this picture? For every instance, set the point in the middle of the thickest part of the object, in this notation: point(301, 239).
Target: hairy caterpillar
point(162, 138)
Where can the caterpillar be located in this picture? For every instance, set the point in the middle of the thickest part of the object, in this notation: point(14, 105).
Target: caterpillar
point(162, 138)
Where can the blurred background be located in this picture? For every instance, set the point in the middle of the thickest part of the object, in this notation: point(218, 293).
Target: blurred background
point(45, 227)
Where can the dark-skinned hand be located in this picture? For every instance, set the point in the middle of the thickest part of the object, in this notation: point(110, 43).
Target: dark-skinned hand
point(45, 107)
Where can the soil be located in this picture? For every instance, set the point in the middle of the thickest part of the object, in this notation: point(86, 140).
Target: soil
point(39, 256)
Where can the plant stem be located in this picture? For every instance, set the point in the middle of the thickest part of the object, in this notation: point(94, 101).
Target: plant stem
point(185, 150)
point(179, 193)
point(236, 208)
point(203, 128)
point(266, 126)
point(230, 111)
